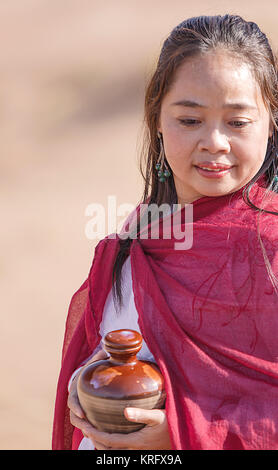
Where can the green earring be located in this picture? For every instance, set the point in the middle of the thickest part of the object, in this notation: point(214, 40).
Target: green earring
point(163, 171)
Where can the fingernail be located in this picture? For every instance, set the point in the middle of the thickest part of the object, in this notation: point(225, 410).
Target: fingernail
point(130, 413)
point(80, 414)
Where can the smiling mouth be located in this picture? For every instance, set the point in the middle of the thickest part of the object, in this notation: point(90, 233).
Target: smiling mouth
point(213, 171)
point(215, 167)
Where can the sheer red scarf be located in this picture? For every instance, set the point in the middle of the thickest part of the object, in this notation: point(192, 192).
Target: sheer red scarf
point(209, 315)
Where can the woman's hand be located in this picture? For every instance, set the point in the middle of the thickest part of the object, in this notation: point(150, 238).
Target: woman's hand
point(154, 435)
point(73, 401)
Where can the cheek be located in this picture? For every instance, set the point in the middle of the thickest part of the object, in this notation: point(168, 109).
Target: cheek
point(178, 156)
point(248, 159)
point(251, 153)
point(178, 148)
point(256, 145)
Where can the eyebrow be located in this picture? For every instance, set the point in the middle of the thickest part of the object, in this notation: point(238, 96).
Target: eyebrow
point(194, 104)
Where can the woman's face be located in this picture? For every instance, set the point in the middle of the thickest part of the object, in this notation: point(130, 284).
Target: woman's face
point(213, 115)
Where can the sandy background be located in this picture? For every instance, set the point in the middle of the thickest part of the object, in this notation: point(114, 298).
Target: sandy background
point(72, 78)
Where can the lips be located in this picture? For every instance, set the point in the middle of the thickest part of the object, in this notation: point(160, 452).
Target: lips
point(210, 166)
point(210, 170)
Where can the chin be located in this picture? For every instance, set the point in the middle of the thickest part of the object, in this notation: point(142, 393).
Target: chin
point(213, 192)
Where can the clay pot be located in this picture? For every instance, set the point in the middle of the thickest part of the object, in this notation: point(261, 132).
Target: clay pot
point(106, 387)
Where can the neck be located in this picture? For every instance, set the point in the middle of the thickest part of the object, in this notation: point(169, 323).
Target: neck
point(183, 201)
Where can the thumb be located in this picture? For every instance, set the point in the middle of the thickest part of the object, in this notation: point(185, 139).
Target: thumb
point(150, 417)
point(101, 354)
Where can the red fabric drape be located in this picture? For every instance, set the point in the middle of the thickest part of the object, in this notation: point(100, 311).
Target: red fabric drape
point(209, 315)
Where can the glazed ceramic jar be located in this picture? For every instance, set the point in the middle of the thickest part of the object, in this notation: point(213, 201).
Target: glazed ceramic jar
point(106, 387)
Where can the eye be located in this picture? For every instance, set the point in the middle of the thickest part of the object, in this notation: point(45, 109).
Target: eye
point(239, 124)
point(189, 122)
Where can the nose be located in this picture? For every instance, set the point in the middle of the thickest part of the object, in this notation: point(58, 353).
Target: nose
point(213, 141)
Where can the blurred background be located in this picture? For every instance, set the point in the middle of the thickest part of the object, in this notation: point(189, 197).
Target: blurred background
point(72, 80)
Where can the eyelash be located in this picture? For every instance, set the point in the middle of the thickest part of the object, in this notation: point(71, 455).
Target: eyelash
point(195, 122)
point(189, 122)
point(244, 123)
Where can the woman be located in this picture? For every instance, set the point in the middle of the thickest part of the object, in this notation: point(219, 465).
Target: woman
point(207, 313)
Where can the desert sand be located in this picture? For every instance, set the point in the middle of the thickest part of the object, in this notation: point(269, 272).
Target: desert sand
point(72, 81)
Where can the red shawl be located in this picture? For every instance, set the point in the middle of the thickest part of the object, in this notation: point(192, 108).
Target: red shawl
point(209, 315)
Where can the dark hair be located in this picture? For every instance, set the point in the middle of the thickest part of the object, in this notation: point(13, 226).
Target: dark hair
point(191, 38)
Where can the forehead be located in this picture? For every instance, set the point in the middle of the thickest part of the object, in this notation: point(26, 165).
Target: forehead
point(214, 78)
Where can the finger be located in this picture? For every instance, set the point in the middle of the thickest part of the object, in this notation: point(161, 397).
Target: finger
point(73, 401)
point(81, 424)
point(75, 420)
point(100, 446)
point(99, 355)
point(150, 417)
point(86, 428)
point(112, 440)
point(102, 438)
point(74, 405)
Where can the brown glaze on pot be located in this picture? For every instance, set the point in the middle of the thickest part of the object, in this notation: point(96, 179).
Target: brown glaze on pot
point(106, 387)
